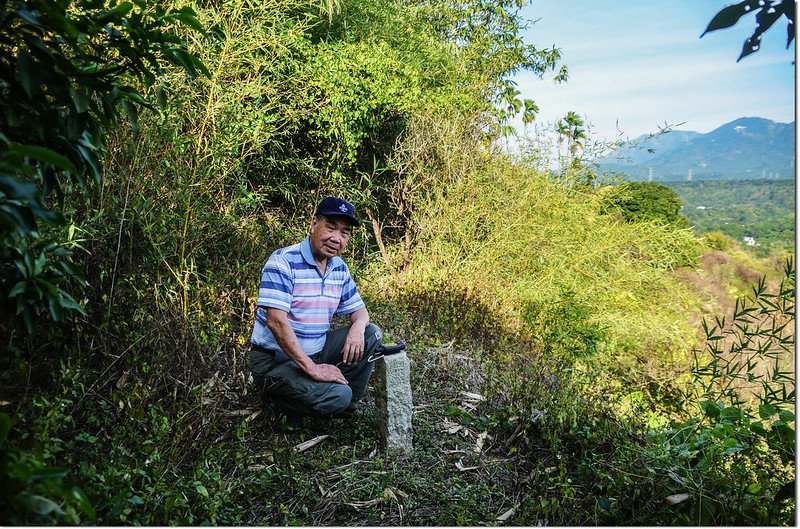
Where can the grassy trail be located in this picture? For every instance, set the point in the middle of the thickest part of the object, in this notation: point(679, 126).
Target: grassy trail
point(455, 476)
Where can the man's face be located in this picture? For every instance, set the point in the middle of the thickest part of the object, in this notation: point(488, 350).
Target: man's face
point(329, 236)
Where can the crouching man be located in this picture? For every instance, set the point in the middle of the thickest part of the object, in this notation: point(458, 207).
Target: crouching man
point(306, 368)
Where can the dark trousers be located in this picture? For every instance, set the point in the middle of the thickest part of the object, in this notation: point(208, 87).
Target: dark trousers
point(294, 391)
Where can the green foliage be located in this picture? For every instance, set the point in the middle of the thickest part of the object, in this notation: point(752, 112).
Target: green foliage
point(762, 209)
point(570, 127)
point(296, 104)
point(490, 49)
point(716, 240)
point(33, 493)
point(563, 327)
point(752, 356)
point(67, 70)
point(521, 239)
point(40, 270)
point(509, 283)
point(742, 440)
point(645, 201)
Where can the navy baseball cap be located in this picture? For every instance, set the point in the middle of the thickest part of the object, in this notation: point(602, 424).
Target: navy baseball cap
point(337, 207)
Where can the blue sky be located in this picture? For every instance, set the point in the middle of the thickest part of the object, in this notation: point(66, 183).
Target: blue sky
point(641, 64)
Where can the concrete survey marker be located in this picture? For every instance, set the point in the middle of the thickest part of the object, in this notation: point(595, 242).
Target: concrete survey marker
point(392, 385)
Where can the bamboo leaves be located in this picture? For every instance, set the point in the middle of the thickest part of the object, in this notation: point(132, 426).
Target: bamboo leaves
point(74, 64)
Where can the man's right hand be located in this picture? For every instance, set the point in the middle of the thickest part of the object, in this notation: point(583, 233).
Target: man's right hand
point(278, 323)
point(327, 373)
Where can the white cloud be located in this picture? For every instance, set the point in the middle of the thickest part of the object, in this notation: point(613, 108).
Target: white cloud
point(643, 66)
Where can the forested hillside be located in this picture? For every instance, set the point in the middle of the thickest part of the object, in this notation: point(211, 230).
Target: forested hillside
point(761, 209)
point(572, 364)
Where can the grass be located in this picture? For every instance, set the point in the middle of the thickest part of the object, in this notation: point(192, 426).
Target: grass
point(349, 479)
point(182, 443)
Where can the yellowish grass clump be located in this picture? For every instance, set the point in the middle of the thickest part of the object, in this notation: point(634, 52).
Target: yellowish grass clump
point(516, 238)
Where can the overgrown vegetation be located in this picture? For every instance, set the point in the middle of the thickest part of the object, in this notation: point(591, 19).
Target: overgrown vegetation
point(551, 334)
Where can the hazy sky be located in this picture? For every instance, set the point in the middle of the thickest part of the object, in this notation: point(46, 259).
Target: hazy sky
point(641, 63)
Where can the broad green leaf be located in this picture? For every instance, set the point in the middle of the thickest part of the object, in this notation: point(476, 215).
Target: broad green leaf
point(132, 113)
point(765, 411)
point(80, 101)
point(710, 408)
point(5, 427)
point(27, 318)
point(29, 16)
point(48, 474)
point(136, 500)
point(83, 503)
point(28, 73)
point(161, 97)
point(758, 429)
point(39, 505)
point(22, 471)
point(187, 15)
point(115, 14)
point(784, 431)
point(43, 154)
point(19, 288)
point(55, 310)
point(30, 265)
point(202, 490)
point(91, 159)
point(73, 271)
point(68, 302)
point(39, 264)
point(189, 62)
point(179, 58)
point(132, 94)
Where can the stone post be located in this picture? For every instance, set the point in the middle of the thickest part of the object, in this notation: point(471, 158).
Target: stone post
point(392, 385)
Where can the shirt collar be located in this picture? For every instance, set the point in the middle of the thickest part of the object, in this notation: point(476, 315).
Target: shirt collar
point(305, 251)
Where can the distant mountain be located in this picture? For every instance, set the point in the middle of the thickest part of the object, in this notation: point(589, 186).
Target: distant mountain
point(744, 149)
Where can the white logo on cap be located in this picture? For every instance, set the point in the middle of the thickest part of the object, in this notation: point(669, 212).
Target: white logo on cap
point(343, 208)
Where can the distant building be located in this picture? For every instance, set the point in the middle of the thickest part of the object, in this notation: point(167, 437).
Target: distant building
point(749, 241)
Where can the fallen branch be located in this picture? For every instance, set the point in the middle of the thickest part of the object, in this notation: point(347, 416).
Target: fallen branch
point(302, 447)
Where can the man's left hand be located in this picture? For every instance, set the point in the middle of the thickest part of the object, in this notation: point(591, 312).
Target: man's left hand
point(353, 346)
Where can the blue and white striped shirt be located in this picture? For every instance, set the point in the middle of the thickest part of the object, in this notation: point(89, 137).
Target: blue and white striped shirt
point(292, 282)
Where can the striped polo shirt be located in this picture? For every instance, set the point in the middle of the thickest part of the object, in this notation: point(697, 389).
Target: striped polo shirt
point(292, 282)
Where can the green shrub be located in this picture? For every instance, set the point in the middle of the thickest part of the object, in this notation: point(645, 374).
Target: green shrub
point(59, 100)
point(645, 201)
point(716, 240)
point(514, 238)
point(33, 492)
point(736, 454)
